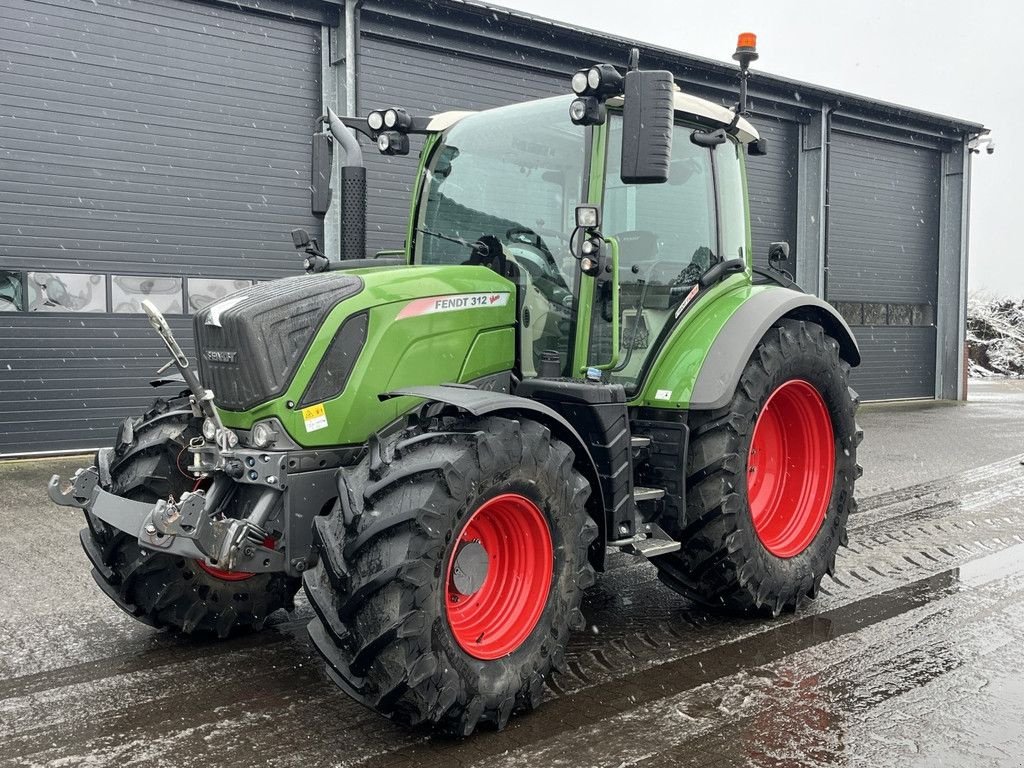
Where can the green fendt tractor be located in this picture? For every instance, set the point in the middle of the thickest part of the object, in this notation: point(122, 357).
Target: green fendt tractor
point(572, 354)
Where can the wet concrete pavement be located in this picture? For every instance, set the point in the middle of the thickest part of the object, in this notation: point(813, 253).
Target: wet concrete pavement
point(913, 654)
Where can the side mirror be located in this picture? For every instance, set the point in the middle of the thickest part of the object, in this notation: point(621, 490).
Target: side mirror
point(758, 148)
point(777, 253)
point(647, 118)
point(320, 175)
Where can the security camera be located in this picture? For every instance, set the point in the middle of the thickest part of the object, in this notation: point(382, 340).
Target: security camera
point(987, 142)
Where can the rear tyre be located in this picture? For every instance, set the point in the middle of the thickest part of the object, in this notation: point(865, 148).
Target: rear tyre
point(166, 591)
point(452, 571)
point(770, 479)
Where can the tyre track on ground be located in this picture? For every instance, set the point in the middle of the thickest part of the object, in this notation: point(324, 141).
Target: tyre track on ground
point(188, 705)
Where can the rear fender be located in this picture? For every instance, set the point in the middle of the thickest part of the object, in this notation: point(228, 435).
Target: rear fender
point(720, 373)
point(479, 403)
point(701, 364)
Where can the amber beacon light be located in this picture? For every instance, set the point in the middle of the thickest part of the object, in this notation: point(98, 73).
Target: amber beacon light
point(746, 52)
point(746, 49)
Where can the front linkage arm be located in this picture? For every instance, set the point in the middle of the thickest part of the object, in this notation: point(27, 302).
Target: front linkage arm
point(189, 527)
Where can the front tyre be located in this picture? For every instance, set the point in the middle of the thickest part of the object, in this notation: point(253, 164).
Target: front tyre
point(451, 575)
point(167, 591)
point(770, 479)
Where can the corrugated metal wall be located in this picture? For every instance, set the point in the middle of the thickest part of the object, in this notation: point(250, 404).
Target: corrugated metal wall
point(159, 137)
point(883, 257)
point(425, 81)
point(170, 138)
point(772, 183)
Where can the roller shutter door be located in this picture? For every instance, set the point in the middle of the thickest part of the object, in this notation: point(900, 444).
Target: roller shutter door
point(155, 139)
point(882, 260)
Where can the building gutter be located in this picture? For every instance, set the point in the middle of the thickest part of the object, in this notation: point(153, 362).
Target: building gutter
point(351, 47)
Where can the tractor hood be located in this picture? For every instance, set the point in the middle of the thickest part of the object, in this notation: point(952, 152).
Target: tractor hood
point(250, 343)
point(314, 352)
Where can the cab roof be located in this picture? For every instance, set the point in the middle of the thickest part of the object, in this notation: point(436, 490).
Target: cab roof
point(686, 105)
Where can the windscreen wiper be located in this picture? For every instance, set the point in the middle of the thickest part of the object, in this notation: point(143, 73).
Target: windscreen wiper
point(479, 248)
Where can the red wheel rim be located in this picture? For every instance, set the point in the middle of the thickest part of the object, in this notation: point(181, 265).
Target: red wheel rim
point(790, 468)
point(512, 581)
point(220, 573)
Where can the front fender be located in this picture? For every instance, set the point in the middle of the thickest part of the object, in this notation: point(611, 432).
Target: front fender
point(702, 362)
point(481, 402)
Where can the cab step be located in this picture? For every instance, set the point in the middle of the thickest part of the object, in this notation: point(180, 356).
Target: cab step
point(647, 494)
point(651, 542)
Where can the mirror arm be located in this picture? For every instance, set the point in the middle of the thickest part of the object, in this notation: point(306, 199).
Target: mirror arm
point(721, 270)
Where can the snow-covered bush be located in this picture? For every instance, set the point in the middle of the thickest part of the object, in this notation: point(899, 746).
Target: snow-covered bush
point(995, 336)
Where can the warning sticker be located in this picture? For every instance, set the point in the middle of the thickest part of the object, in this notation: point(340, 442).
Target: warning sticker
point(663, 394)
point(689, 297)
point(314, 417)
point(434, 304)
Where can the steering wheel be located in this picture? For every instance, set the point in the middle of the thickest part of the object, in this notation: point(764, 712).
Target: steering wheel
point(524, 234)
point(548, 266)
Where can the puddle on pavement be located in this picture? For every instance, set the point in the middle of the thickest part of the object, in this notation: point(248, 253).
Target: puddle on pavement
point(778, 641)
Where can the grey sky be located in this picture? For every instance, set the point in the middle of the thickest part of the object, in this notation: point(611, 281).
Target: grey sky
point(951, 58)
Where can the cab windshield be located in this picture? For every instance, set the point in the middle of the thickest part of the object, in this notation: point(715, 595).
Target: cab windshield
point(504, 184)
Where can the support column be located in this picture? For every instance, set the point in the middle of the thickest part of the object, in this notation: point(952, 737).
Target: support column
point(810, 233)
point(338, 56)
point(951, 301)
point(332, 93)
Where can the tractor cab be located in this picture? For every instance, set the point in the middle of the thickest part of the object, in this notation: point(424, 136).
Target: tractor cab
point(504, 189)
point(512, 179)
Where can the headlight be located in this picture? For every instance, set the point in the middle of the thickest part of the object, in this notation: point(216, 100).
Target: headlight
point(209, 429)
point(375, 120)
point(262, 436)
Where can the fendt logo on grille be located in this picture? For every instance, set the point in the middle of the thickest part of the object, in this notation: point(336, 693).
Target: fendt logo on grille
point(220, 356)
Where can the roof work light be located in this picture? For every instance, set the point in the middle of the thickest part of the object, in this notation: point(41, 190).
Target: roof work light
point(601, 80)
point(389, 128)
point(393, 143)
point(593, 85)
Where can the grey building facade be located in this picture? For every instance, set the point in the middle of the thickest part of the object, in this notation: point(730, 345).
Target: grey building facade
point(160, 149)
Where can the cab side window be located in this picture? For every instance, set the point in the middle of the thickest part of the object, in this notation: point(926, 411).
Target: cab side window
point(674, 223)
point(667, 238)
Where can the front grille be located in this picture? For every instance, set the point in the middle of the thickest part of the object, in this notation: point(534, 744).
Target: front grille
point(250, 343)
